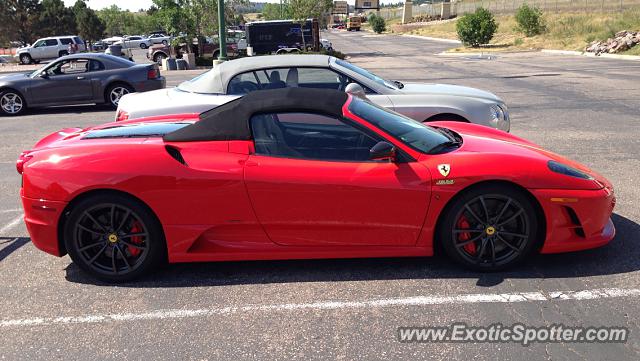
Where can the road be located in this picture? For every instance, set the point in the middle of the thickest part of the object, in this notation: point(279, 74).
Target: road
point(583, 108)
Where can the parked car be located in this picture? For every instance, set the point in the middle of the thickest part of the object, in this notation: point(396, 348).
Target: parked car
point(100, 45)
point(160, 38)
point(48, 48)
point(210, 48)
point(119, 51)
point(132, 42)
point(77, 79)
point(304, 173)
point(422, 102)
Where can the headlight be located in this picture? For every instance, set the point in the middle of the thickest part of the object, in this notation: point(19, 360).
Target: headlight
point(566, 170)
point(500, 117)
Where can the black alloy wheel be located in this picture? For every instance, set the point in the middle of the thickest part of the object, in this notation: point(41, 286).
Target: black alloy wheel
point(113, 238)
point(490, 228)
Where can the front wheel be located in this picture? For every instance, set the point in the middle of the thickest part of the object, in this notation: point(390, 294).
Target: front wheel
point(25, 59)
point(114, 238)
point(489, 228)
point(115, 92)
point(143, 46)
point(12, 103)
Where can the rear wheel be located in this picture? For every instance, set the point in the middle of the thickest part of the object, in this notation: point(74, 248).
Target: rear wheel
point(115, 92)
point(143, 46)
point(12, 103)
point(63, 53)
point(114, 238)
point(489, 228)
point(25, 59)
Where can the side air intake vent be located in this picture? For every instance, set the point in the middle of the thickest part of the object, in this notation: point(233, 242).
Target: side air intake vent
point(576, 222)
point(175, 154)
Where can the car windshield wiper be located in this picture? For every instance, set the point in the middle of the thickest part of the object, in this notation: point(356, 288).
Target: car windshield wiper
point(444, 145)
point(398, 84)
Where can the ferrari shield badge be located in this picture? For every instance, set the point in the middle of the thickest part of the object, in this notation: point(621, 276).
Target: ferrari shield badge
point(444, 169)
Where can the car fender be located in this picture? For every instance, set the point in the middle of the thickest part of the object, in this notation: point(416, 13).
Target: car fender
point(423, 106)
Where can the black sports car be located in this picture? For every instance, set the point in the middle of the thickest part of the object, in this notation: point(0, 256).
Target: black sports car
point(77, 79)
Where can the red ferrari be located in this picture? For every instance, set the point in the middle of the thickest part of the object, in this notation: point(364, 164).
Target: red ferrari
point(303, 173)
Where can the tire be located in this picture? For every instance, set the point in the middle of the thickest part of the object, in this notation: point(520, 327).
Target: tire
point(143, 46)
point(164, 42)
point(502, 223)
point(12, 103)
point(63, 53)
point(26, 59)
point(216, 54)
point(98, 236)
point(158, 58)
point(115, 92)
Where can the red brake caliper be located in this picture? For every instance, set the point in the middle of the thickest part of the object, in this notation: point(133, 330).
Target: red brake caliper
point(465, 236)
point(137, 227)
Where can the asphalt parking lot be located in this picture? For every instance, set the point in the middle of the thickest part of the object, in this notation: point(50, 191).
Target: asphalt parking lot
point(584, 108)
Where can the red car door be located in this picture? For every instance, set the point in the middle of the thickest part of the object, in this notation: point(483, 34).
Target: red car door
point(311, 182)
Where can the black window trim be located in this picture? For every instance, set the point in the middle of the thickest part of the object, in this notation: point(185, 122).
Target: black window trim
point(401, 155)
point(255, 71)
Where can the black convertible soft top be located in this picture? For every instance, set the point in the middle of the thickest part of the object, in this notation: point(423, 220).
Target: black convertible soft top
point(230, 121)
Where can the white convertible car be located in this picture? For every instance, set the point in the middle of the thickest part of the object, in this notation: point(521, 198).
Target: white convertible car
point(227, 81)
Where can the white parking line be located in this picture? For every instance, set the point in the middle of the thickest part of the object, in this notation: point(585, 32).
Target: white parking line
point(11, 224)
point(537, 296)
point(11, 210)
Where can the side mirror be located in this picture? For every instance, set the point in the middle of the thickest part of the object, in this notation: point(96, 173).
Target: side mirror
point(44, 75)
point(383, 151)
point(356, 90)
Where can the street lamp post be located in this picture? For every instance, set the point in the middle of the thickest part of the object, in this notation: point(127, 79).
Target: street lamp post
point(222, 32)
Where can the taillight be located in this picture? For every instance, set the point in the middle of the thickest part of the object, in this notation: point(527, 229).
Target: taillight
point(122, 115)
point(22, 160)
point(153, 73)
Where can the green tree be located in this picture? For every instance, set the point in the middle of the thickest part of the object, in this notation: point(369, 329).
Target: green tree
point(19, 20)
point(276, 11)
point(530, 20)
point(301, 10)
point(113, 19)
point(90, 27)
point(378, 24)
point(56, 19)
point(476, 28)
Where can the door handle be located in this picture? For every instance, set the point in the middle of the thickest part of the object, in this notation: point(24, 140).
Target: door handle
point(80, 77)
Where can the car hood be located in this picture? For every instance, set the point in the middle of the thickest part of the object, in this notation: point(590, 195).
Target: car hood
point(13, 76)
point(480, 142)
point(170, 101)
point(446, 89)
point(23, 49)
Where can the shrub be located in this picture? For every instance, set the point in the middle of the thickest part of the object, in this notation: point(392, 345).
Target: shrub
point(476, 28)
point(530, 20)
point(377, 23)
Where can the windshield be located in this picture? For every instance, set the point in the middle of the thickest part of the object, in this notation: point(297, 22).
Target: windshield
point(418, 136)
point(203, 84)
point(366, 74)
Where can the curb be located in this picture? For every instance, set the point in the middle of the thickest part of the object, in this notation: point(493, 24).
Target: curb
point(442, 40)
point(593, 55)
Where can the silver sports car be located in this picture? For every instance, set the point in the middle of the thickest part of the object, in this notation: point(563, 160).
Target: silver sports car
point(77, 79)
point(422, 102)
